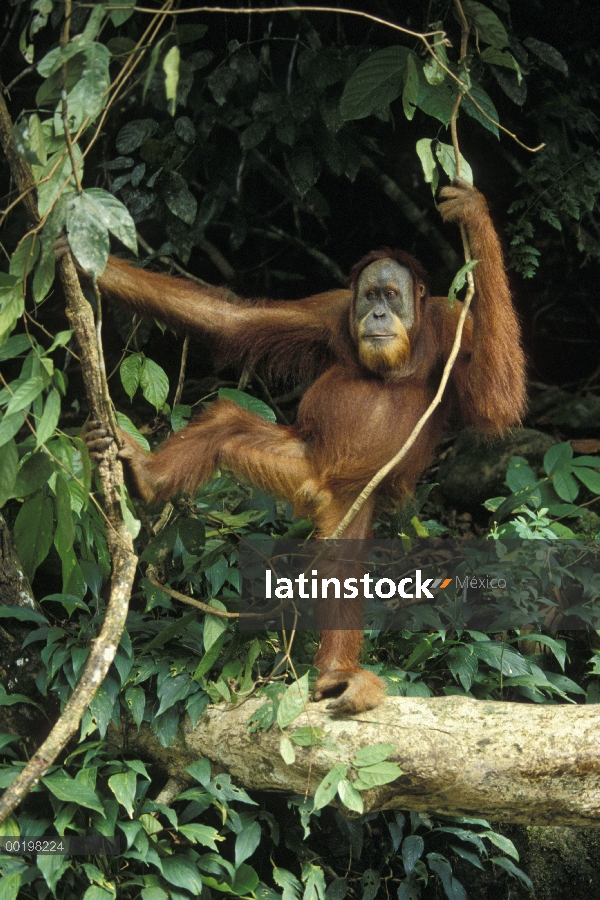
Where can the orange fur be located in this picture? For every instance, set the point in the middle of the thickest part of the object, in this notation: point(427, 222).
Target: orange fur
point(357, 414)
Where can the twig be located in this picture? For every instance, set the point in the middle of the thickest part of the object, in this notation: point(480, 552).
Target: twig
point(182, 368)
point(268, 10)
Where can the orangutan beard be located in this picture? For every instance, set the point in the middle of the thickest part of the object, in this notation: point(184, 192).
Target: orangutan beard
point(382, 356)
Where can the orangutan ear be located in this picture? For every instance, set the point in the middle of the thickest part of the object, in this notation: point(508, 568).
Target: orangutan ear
point(421, 287)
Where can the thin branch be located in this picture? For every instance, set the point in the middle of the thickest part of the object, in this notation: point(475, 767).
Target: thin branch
point(268, 10)
point(182, 368)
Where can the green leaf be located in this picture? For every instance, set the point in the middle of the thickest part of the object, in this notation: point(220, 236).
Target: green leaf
point(10, 885)
point(220, 82)
point(327, 790)
point(30, 140)
point(182, 873)
point(563, 684)
point(447, 159)
point(200, 770)
point(375, 83)
point(500, 656)
point(179, 198)
point(490, 29)
point(410, 94)
point(114, 216)
point(314, 882)
point(129, 371)
point(201, 834)
point(25, 394)
point(373, 776)
point(520, 475)
point(214, 626)
point(302, 168)
point(32, 475)
point(118, 17)
point(21, 343)
point(253, 135)
point(154, 383)
point(245, 880)
point(437, 100)
point(135, 699)
point(70, 790)
point(432, 70)
point(172, 690)
point(463, 665)
point(33, 532)
point(558, 457)
point(88, 236)
point(440, 865)
point(470, 857)
point(350, 796)
point(548, 54)
point(49, 420)
point(246, 842)
point(23, 614)
point(459, 280)
point(370, 756)
point(293, 702)
point(123, 785)
point(565, 485)
point(493, 56)
point(90, 93)
point(307, 736)
point(412, 850)
point(589, 477)
point(289, 884)
point(7, 699)
point(65, 528)
point(193, 535)
point(428, 162)
point(286, 749)
point(134, 134)
point(171, 69)
point(127, 425)
point(510, 867)
point(589, 461)
point(485, 112)
point(9, 462)
point(502, 842)
point(210, 657)
point(246, 401)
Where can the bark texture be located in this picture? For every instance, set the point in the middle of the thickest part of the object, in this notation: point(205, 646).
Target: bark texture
point(510, 762)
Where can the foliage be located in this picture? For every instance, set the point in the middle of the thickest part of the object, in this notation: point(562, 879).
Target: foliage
point(242, 158)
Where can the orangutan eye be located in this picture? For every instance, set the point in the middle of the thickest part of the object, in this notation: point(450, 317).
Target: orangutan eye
point(391, 295)
point(371, 296)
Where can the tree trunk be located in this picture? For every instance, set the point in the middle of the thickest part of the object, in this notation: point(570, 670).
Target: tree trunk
point(510, 762)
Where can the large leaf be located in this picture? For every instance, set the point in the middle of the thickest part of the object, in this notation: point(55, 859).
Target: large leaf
point(90, 92)
point(154, 383)
point(375, 83)
point(88, 235)
point(33, 532)
point(490, 29)
point(179, 198)
point(114, 216)
point(71, 790)
point(485, 112)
